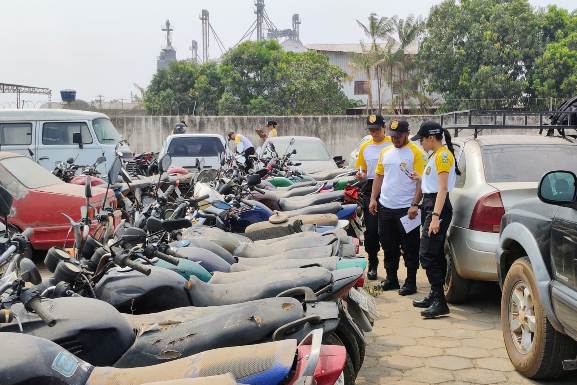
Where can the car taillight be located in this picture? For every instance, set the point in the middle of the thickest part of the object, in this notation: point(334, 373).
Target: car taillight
point(487, 213)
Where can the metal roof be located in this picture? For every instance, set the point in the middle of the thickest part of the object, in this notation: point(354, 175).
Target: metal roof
point(412, 49)
point(48, 114)
point(489, 140)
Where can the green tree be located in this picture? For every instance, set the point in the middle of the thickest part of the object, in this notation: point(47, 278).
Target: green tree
point(481, 49)
point(555, 73)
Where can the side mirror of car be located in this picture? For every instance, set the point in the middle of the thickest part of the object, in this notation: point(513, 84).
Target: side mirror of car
point(253, 180)
point(558, 188)
point(100, 160)
point(5, 202)
point(77, 139)
point(164, 163)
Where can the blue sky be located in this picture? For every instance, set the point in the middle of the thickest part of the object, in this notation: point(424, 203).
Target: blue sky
point(103, 47)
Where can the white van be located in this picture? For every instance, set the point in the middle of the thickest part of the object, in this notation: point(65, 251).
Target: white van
point(186, 149)
point(50, 136)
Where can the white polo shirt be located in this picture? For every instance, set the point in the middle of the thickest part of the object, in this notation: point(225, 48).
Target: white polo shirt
point(395, 165)
point(441, 161)
point(244, 140)
point(369, 153)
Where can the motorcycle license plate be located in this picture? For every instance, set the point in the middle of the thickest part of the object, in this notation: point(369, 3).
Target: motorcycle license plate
point(341, 379)
point(365, 301)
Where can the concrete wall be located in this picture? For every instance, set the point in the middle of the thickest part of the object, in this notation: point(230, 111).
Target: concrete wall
point(340, 133)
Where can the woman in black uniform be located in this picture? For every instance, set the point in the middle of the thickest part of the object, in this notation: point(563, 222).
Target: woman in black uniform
point(437, 182)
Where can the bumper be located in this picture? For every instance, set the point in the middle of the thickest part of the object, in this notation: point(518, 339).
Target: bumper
point(474, 253)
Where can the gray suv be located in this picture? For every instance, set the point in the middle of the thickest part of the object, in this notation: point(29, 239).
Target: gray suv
point(537, 266)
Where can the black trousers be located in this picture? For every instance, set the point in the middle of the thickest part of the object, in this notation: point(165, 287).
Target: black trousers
point(371, 223)
point(249, 161)
point(394, 239)
point(432, 250)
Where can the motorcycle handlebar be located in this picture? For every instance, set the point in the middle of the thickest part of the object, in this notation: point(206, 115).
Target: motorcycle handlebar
point(167, 258)
point(36, 305)
point(138, 267)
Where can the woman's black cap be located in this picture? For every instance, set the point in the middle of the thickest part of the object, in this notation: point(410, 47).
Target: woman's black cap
point(427, 129)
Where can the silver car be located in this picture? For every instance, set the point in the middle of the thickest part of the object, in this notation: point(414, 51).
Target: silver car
point(311, 152)
point(497, 171)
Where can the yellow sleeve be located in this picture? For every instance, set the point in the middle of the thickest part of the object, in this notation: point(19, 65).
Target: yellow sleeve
point(419, 159)
point(361, 162)
point(444, 161)
point(272, 133)
point(237, 138)
point(380, 170)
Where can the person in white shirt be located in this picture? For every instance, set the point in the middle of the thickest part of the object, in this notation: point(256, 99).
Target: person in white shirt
point(395, 195)
point(367, 158)
point(248, 147)
point(437, 182)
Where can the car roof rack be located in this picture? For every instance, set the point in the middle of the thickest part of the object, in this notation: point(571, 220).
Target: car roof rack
point(478, 120)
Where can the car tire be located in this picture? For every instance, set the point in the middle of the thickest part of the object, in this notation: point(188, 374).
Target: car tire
point(456, 288)
point(543, 357)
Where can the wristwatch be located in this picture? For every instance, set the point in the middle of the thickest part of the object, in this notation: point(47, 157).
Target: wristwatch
point(435, 214)
point(415, 205)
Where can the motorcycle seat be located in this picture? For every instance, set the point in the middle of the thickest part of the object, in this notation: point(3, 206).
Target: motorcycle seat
point(313, 219)
point(190, 330)
point(267, 286)
point(329, 174)
point(295, 192)
point(251, 250)
point(225, 379)
point(299, 185)
point(296, 203)
point(248, 270)
point(325, 208)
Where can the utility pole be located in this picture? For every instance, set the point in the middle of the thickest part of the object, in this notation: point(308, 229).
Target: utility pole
point(259, 19)
point(99, 99)
point(194, 51)
point(296, 26)
point(204, 17)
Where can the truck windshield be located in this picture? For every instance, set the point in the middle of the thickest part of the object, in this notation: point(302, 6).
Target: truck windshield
point(35, 176)
point(195, 146)
point(526, 163)
point(105, 131)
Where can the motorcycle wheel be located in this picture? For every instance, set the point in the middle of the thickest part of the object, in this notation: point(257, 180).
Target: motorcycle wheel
point(349, 369)
point(346, 334)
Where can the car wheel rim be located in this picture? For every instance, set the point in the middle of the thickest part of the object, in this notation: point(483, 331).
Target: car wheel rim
point(522, 317)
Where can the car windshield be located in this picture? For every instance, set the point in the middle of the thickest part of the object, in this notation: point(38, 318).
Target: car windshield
point(196, 146)
point(35, 176)
point(105, 131)
point(308, 149)
point(526, 163)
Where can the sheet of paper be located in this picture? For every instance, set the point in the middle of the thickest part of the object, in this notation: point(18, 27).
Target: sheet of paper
point(411, 224)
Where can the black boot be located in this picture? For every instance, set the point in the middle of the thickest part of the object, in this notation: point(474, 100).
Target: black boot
point(391, 283)
point(425, 302)
point(438, 306)
point(372, 273)
point(410, 285)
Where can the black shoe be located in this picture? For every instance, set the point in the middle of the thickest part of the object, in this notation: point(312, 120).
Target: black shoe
point(408, 289)
point(425, 302)
point(438, 308)
point(372, 274)
point(390, 284)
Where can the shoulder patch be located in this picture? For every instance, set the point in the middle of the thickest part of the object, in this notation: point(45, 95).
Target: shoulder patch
point(444, 157)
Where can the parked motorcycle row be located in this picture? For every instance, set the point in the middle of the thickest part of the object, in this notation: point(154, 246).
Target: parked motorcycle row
point(216, 277)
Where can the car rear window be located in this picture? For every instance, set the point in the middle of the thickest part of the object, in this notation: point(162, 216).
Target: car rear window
point(307, 149)
point(526, 163)
point(195, 147)
point(29, 173)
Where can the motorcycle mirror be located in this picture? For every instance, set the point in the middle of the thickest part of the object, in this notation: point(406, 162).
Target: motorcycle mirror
point(197, 165)
point(100, 160)
point(154, 225)
point(271, 144)
point(253, 180)
point(262, 172)
point(133, 235)
point(292, 141)
point(124, 175)
point(240, 148)
point(70, 160)
point(30, 152)
point(29, 272)
point(5, 202)
point(176, 224)
point(114, 170)
point(88, 187)
point(294, 151)
point(164, 163)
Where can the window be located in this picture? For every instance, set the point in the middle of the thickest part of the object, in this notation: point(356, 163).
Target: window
point(307, 149)
point(15, 133)
point(105, 131)
point(61, 133)
point(462, 165)
point(34, 177)
point(361, 87)
point(195, 146)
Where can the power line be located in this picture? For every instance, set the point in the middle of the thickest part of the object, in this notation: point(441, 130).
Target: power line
point(217, 38)
point(248, 33)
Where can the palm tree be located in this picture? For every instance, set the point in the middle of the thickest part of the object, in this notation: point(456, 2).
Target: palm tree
point(365, 62)
point(377, 28)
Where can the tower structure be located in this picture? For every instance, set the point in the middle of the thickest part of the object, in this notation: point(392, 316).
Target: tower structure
point(168, 53)
point(205, 19)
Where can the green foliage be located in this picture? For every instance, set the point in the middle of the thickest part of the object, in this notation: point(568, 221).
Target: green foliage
point(555, 73)
point(255, 78)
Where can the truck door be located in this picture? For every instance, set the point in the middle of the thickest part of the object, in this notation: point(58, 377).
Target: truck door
point(56, 144)
point(17, 137)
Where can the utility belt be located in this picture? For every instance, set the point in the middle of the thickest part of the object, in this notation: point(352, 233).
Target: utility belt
point(428, 204)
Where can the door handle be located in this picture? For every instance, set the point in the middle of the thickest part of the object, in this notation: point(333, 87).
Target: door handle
point(43, 158)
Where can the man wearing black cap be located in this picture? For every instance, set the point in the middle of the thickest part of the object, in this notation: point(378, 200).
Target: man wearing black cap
point(395, 195)
point(369, 152)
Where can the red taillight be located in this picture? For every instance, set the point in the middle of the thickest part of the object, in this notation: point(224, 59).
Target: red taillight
point(488, 213)
point(360, 282)
point(329, 368)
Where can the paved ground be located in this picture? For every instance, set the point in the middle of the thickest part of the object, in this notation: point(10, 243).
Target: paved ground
point(465, 348)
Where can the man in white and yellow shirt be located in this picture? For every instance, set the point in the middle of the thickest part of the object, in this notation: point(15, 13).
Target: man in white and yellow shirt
point(366, 163)
point(395, 195)
point(248, 147)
